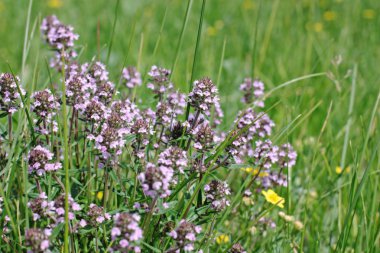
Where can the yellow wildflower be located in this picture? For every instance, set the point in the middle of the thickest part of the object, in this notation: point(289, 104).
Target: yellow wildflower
point(255, 171)
point(248, 5)
point(222, 239)
point(369, 14)
point(273, 198)
point(99, 195)
point(211, 31)
point(339, 170)
point(55, 4)
point(318, 27)
point(329, 15)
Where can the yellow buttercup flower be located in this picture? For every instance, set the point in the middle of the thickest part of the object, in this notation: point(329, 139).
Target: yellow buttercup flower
point(55, 4)
point(222, 239)
point(99, 195)
point(248, 5)
point(318, 27)
point(339, 170)
point(369, 14)
point(255, 171)
point(273, 198)
point(329, 15)
point(211, 31)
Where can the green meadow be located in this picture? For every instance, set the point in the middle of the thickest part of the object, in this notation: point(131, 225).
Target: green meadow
point(319, 61)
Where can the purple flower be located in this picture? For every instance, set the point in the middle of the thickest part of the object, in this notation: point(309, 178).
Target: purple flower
point(37, 239)
point(159, 80)
point(204, 95)
point(57, 35)
point(174, 158)
point(10, 99)
point(253, 92)
point(156, 180)
point(132, 77)
point(40, 161)
point(265, 154)
point(126, 232)
point(185, 235)
point(216, 194)
point(97, 215)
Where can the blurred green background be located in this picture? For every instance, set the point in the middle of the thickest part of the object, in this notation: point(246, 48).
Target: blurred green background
point(294, 38)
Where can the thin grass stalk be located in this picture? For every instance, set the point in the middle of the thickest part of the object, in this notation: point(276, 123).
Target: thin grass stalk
point(66, 158)
point(196, 51)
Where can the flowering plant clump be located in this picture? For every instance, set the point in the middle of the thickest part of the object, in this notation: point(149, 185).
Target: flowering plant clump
point(122, 174)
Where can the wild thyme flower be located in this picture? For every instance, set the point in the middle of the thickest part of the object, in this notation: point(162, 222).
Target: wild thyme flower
point(259, 125)
point(96, 73)
point(105, 92)
point(59, 204)
point(156, 180)
point(253, 92)
point(204, 95)
point(123, 114)
point(132, 77)
point(44, 104)
point(203, 137)
point(185, 235)
point(94, 111)
point(61, 60)
point(237, 248)
point(236, 147)
point(177, 102)
point(126, 232)
point(142, 129)
point(164, 113)
point(97, 215)
point(37, 240)
point(10, 99)
point(216, 194)
point(57, 35)
point(40, 161)
point(273, 179)
point(41, 207)
point(110, 141)
point(265, 154)
point(174, 158)
point(159, 80)
point(286, 156)
point(77, 90)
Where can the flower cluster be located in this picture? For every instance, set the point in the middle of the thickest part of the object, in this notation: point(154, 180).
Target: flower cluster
point(60, 38)
point(237, 248)
point(204, 95)
point(37, 239)
point(58, 35)
point(41, 207)
point(45, 106)
point(174, 158)
point(10, 99)
point(265, 154)
point(159, 80)
point(185, 235)
point(156, 180)
point(216, 194)
point(40, 161)
point(126, 232)
point(253, 92)
point(132, 77)
point(97, 214)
